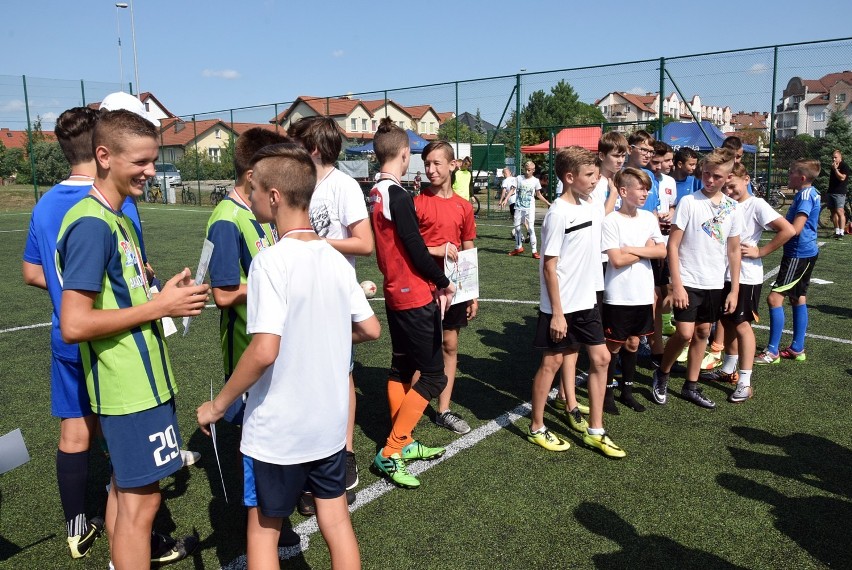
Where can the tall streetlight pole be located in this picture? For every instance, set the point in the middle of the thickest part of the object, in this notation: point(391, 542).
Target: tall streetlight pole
point(135, 58)
point(118, 29)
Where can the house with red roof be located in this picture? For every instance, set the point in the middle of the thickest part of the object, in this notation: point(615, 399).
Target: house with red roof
point(208, 136)
point(806, 104)
point(625, 107)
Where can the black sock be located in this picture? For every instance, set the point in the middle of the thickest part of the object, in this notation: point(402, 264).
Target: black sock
point(628, 372)
point(690, 385)
point(72, 473)
point(609, 401)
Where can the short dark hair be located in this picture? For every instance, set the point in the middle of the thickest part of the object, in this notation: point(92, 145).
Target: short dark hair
point(114, 127)
point(733, 142)
point(640, 136)
point(318, 133)
point(439, 145)
point(684, 153)
point(288, 168)
point(389, 141)
point(661, 148)
point(249, 143)
point(74, 130)
point(570, 159)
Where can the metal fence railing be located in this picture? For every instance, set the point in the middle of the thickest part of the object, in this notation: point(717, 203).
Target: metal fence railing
point(748, 91)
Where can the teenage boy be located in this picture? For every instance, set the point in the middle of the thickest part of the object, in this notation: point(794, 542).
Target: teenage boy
point(339, 216)
point(237, 238)
point(641, 150)
point(797, 263)
point(107, 306)
point(685, 163)
point(416, 293)
point(631, 239)
point(837, 181)
point(508, 196)
point(739, 340)
point(447, 225)
point(461, 182)
point(305, 309)
point(569, 316)
point(527, 189)
point(705, 233)
point(68, 395)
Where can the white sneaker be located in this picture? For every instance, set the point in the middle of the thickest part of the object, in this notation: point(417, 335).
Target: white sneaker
point(189, 457)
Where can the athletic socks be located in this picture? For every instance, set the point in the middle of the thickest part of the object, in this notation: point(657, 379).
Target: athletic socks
point(690, 385)
point(628, 372)
point(609, 396)
point(800, 325)
point(407, 417)
point(776, 327)
point(745, 377)
point(396, 394)
point(72, 473)
point(729, 365)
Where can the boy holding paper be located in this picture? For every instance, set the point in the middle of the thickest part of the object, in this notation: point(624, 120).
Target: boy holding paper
point(447, 225)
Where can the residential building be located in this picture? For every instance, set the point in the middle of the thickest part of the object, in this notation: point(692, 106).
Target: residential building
point(624, 107)
point(806, 103)
point(209, 136)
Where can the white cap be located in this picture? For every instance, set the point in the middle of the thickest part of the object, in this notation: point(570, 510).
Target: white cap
point(126, 101)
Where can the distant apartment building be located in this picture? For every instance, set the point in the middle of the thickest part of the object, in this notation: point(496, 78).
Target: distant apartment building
point(806, 103)
point(623, 107)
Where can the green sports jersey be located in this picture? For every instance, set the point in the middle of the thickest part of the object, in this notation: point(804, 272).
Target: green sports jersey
point(237, 236)
point(97, 252)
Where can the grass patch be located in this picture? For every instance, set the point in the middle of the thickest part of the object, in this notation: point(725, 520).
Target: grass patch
point(764, 484)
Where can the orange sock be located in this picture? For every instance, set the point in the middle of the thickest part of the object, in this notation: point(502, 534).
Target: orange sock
point(716, 347)
point(396, 393)
point(409, 414)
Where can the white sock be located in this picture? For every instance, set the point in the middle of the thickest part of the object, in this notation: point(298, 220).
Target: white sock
point(745, 377)
point(838, 231)
point(730, 364)
point(596, 431)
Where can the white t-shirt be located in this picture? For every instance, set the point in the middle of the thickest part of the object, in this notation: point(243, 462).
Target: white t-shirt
point(507, 185)
point(756, 215)
point(703, 252)
point(598, 214)
point(566, 232)
point(633, 284)
point(306, 293)
point(336, 204)
point(667, 193)
point(527, 187)
point(559, 188)
point(599, 195)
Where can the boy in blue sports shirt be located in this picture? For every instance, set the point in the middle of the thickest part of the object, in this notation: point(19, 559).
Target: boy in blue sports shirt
point(108, 306)
point(685, 163)
point(797, 263)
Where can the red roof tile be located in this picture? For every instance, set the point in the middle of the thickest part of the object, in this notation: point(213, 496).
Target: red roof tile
point(18, 139)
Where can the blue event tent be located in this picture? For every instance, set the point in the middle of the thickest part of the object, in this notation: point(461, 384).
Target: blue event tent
point(678, 135)
point(415, 142)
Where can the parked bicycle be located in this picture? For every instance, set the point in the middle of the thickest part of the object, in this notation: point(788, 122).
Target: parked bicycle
point(155, 195)
point(187, 196)
point(474, 201)
point(774, 197)
point(218, 194)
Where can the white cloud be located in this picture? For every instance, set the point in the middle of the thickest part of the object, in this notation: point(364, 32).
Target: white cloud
point(337, 53)
point(12, 106)
point(638, 91)
point(221, 73)
point(49, 117)
point(758, 68)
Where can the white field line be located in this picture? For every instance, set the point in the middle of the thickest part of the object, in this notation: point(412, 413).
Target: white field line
point(773, 272)
point(365, 496)
point(11, 231)
point(808, 335)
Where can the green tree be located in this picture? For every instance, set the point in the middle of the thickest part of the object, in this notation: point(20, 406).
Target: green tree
point(838, 136)
point(790, 149)
point(447, 132)
point(51, 166)
point(547, 113)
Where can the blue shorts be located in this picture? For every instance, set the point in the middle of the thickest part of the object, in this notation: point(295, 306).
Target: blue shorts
point(144, 447)
point(276, 488)
point(68, 395)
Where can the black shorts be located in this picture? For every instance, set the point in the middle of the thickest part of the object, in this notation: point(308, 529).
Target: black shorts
point(277, 487)
point(584, 327)
point(456, 316)
point(794, 276)
point(512, 211)
point(705, 306)
point(660, 267)
point(747, 303)
point(417, 342)
point(623, 321)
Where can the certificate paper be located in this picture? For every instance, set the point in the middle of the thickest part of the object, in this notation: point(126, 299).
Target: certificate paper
point(464, 274)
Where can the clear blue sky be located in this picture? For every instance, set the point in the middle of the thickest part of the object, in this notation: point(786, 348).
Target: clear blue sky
point(205, 55)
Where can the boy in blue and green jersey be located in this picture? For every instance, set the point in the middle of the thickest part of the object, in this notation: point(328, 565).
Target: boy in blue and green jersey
point(237, 237)
point(108, 308)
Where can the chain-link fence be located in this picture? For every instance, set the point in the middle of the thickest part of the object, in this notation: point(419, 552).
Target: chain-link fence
point(502, 121)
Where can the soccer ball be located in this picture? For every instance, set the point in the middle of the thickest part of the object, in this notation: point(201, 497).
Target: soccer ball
point(369, 289)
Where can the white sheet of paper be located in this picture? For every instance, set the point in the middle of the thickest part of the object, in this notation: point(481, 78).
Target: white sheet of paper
point(13, 451)
point(200, 274)
point(464, 274)
point(169, 327)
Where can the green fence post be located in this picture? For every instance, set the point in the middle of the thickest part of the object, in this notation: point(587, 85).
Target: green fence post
point(231, 142)
point(30, 140)
point(197, 158)
point(662, 95)
point(772, 120)
point(83, 92)
point(457, 117)
point(276, 117)
point(517, 124)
